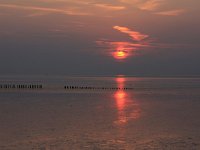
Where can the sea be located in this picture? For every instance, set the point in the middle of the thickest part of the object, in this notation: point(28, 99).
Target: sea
point(99, 113)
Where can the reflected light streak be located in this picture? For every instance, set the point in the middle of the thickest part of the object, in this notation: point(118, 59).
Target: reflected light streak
point(120, 97)
point(127, 108)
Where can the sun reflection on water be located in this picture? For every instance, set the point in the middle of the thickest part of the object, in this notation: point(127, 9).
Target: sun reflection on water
point(127, 107)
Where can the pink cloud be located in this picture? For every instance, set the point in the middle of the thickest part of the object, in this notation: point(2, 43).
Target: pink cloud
point(69, 11)
point(110, 7)
point(171, 12)
point(135, 35)
point(151, 5)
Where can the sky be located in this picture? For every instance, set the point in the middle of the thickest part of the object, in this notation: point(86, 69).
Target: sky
point(100, 37)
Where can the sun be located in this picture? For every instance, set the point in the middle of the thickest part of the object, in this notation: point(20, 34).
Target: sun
point(120, 55)
point(121, 51)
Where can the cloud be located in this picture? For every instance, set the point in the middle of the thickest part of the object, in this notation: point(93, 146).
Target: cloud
point(147, 5)
point(69, 11)
point(36, 14)
point(129, 1)
point(110, 7)
point(171, 12)
point(154, 7)
point(151, 5)
point(137, 36)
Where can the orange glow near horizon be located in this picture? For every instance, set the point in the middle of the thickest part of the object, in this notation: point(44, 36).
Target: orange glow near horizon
point(126, 106)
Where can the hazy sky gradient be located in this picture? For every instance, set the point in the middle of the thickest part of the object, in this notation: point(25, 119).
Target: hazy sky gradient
point(100, 37)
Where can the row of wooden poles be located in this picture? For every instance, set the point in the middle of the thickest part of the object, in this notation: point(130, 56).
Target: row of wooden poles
point(39, 86)
point(95, 88)
point(21, 86)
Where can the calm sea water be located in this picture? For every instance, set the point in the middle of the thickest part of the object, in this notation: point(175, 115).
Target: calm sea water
point(156, 113)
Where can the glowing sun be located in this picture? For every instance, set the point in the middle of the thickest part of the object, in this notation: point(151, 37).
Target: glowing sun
point(120, 55)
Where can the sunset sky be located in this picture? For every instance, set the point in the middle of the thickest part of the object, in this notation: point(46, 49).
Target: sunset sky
point(100, 37)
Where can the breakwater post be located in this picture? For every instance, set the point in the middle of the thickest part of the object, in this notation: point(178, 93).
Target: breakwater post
point(69, 87)
point(21, 86)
